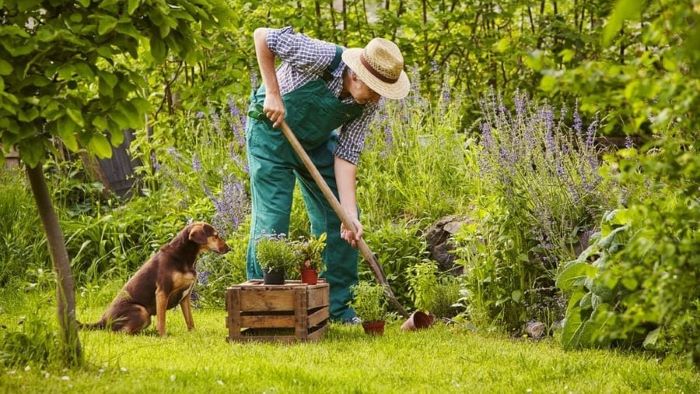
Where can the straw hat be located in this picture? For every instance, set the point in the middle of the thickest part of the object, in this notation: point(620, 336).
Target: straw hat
point(380, 66)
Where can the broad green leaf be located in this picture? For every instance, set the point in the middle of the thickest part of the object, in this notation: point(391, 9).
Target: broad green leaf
point(100, 146)
point(548, 83)
point(31, 151)
point(117, 137)
point(567, 55)
point(5, 67)
point(624, 9)
point(76, 116)
point(133, 5)
point(100, 123)
point(84, 3)
point(66, 131)
point(28, 115)
point(651, 338)
point(573, 274)
point(109, 78)
point(158, 49)
point(106, 24)
point(572, 330)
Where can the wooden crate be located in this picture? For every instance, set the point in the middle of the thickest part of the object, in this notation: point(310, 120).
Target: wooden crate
point(290, 312)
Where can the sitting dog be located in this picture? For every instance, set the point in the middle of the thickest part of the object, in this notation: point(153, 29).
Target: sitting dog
point(163, 282)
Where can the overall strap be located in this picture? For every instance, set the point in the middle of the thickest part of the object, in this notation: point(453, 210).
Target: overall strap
point(328, 72)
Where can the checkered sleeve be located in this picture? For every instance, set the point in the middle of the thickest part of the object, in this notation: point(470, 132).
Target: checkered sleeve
point(299, 51)
point(352, 135)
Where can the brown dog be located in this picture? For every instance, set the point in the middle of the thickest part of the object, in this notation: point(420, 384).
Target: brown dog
point(163, 282)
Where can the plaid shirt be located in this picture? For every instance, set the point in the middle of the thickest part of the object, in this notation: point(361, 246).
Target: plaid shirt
point(304, 59)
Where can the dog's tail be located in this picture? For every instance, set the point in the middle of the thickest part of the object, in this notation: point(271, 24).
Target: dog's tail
point(100, 325)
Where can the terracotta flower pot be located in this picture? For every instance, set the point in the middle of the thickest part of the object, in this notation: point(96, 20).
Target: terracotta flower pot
point(417, 321)
point(309, 276)
point(273, 277)
point(373, 327)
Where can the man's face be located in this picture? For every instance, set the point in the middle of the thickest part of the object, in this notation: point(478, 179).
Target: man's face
point(361, 92)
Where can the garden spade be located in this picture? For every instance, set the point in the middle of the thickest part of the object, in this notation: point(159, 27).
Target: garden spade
point(335, 204)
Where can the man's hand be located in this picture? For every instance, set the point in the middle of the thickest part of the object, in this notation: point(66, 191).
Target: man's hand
point(352, 237)
point(273, 108)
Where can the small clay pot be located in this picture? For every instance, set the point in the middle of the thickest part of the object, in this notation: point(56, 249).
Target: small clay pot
point(273, 277)
point(309, 276)
point(417, 321)
point(373, 327)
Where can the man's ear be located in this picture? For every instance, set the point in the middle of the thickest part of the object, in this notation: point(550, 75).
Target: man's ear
point(198, 234)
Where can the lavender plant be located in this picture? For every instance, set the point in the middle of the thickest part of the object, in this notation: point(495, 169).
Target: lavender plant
point(539, 192)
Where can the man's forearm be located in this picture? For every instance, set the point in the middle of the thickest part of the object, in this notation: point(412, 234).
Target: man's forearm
point(345, 177)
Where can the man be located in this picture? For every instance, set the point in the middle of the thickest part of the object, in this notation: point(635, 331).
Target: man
point(318, 88)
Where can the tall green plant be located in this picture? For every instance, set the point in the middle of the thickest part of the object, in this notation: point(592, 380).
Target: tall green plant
point(65, 75)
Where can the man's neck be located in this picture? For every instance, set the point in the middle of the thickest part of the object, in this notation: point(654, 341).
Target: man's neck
point(344, 93)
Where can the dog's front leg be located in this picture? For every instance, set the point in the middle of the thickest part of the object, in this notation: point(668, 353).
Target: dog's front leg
point(187, 312)
point(161, 307)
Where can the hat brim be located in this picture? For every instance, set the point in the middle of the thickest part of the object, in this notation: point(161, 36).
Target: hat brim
point(396, 90)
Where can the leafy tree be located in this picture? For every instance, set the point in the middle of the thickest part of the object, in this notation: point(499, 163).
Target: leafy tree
point(66, 74)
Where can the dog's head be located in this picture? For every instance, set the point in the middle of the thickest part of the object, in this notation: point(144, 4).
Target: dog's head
point(207, 237)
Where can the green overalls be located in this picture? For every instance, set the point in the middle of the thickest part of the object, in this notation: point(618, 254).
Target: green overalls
point(313, 113)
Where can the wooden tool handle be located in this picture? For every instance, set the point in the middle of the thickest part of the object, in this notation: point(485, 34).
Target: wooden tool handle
point(335, 204)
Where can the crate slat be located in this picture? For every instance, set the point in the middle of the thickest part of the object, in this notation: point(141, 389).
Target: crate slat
point(318, 296)
point(318, 317)
point(267, 321)
point(262, 299)
point(318, 334)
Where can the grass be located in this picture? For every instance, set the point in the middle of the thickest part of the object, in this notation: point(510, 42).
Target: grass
point(441, 359)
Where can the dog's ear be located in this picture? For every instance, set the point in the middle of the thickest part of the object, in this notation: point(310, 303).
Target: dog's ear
point(198, 234)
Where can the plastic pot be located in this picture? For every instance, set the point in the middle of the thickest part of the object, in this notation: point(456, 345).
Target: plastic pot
point(273, 277)
point(309, 276)
point(373, 327)
point(417, 321)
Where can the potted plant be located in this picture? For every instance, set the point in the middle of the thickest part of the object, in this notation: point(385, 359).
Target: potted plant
point(434, 296)
point(276, 255)
point(311, 257)
point(370, 305)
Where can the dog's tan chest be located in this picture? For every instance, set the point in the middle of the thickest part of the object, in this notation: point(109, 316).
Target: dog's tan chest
point(182, 280)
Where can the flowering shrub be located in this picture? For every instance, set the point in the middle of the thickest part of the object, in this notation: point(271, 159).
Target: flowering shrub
point(539, 194)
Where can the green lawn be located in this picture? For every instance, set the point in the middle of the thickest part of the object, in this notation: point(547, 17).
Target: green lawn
point(441, 359)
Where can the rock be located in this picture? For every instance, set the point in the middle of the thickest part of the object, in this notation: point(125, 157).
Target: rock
point(438, 237)
point(535, 329)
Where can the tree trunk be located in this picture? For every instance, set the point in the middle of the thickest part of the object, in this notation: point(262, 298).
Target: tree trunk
point(65, 294)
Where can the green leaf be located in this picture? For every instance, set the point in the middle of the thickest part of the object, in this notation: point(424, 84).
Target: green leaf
point(76, 116)
point(651, 338)
point(133, 5)
point(624, 9)
point(5, 67)
point(573, 273)
point(109, 78)
point(158, 49)
point(28, 115)
point(117, 138)
point(567, 55)
point(31, 151)
point(106, 24)
point(84, 3)
point(100, 123)
point(100, 146)
point(548, 83)
point(66, 131)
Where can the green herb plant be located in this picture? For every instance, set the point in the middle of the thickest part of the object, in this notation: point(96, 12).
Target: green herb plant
point(275, 252)
point(369, 301)
point(311, 252)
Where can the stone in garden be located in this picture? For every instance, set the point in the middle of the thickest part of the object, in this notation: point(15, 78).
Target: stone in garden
point(439, 240)
point(535, 329)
